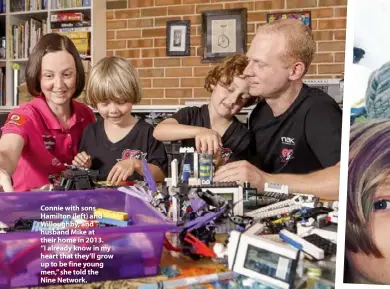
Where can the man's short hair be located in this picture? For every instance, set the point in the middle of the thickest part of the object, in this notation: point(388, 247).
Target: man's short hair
point(369, 157)
point(300, 44)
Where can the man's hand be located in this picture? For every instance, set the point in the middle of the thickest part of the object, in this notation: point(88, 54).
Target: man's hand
point(122, 170)
point(240, 172)
point(5, 181)
point(82, 160)
point(208, 140)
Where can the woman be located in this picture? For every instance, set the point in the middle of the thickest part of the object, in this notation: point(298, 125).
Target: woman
point(368, 204)
point(43, 135)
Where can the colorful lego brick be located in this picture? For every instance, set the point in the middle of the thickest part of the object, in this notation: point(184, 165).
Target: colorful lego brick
point(120, 216)
point(114, 222)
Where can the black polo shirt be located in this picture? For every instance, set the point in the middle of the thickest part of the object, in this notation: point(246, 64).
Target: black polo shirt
point(138, 143)
point(305, 138)
point(236, 140)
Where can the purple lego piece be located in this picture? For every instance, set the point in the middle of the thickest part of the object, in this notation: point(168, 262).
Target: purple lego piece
point(202, 221)
point(152, 186)
point(197, 204)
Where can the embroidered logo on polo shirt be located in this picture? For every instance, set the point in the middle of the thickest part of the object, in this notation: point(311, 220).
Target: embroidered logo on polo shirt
point(226, 153)
point(133, 154)
point(16, 119)
point(49, 142)
point(56, 162)
point(287, 140)
point(286, 155)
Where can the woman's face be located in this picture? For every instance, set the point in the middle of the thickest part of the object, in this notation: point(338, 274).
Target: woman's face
point(377, 270)
point(58, 77)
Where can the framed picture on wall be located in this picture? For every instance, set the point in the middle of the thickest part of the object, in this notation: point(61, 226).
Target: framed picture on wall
point(304, 16)
point(178, 38)
point(223, 33)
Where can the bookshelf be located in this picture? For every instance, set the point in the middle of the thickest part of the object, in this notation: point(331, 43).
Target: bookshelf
point(30, 19)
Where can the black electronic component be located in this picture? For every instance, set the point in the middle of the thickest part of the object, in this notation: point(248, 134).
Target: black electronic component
point(75, 178)
point(326, 245)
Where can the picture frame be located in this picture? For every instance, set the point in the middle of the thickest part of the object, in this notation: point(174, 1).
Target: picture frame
point(224, 33)
point(304, 16)
point(178, 37)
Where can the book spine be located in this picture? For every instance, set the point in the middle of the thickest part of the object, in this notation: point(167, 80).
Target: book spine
point(67, 17)
point(79, 29)
point(59, 25)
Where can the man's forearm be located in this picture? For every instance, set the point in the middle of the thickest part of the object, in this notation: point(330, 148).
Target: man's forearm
point(323, 184)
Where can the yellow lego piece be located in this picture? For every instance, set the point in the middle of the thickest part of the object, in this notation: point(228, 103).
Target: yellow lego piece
point(103, 213)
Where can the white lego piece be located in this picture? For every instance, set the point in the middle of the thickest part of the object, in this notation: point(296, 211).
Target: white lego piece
point(244, 249)
point(303, 230)
point(293, 201)
point(220, 250)
point(275, 188)
point(175, 173)
point(188, 150)
point(307, 247)
point(273, 213)
point(194, 182)
point(3, 225)
point(333, 217)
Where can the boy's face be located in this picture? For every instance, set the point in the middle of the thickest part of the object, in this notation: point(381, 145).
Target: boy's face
point(114, 113)
point(375, 269)
point(228, 101)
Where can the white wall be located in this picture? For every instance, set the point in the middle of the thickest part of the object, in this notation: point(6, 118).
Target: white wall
point(372, 23)
point(370, 31)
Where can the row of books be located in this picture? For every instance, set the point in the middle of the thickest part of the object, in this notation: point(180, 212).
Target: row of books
point(24, 36)
point(75, 26)
point(2, 6)
point(63, 4)
point(33, 5)
point(28, 5)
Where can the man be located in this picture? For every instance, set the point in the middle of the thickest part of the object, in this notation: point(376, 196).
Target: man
point(297, 128)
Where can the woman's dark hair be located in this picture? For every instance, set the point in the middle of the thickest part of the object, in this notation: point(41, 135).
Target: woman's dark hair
point(49, 43)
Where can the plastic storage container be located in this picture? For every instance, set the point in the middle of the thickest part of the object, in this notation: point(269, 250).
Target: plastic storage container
point(136, 249)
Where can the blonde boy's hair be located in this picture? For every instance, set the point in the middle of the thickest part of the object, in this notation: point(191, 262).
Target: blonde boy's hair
point(113, 79)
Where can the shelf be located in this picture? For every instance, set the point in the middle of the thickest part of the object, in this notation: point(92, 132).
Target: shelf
point(150, 108)
point(70, 9)
point(142, 108)
point(28, 12)
point(19, 60)
point(96, 11)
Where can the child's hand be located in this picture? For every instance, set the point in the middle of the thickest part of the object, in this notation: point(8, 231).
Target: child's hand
point(82, 160)
point(122, 170)
point(208, 140)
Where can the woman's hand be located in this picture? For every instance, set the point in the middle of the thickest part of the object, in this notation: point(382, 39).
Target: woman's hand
point(5, 181)
point(82, 160)
point(208, 140)
point(123, 170)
